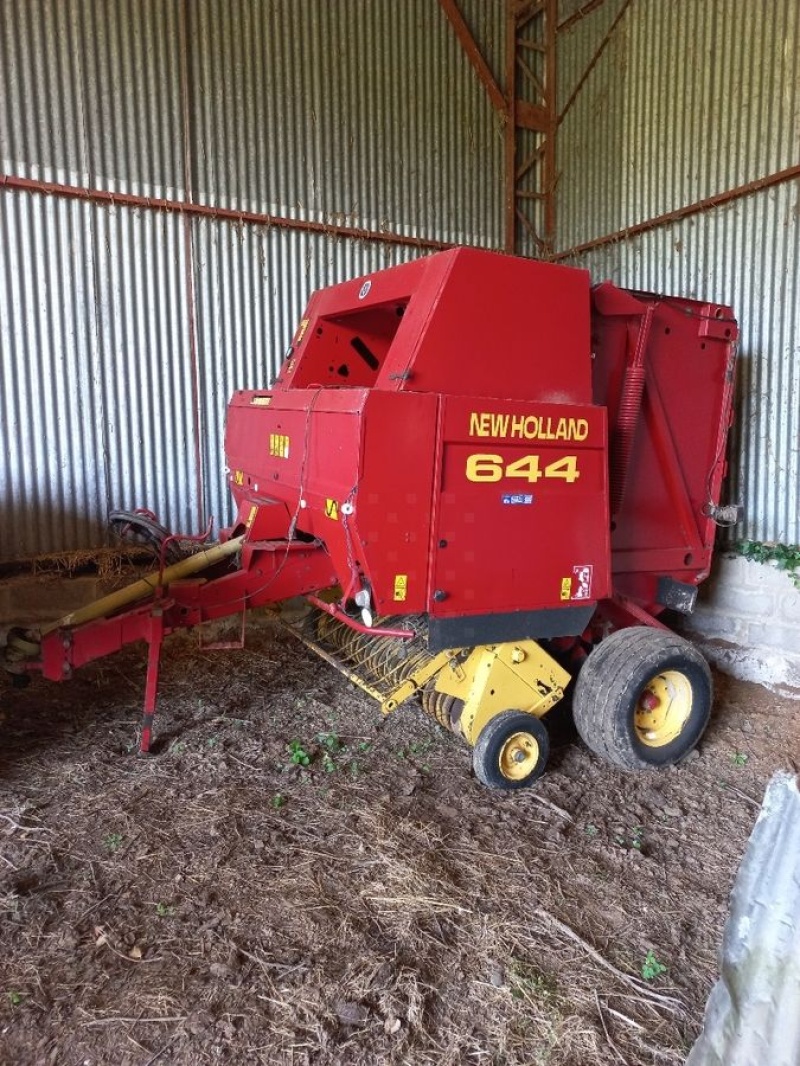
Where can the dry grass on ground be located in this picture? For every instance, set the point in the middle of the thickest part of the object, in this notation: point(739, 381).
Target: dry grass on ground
point(216, 903)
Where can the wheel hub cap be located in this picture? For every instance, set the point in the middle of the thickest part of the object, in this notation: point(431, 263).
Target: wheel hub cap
point(663, 708)
point(519, 756)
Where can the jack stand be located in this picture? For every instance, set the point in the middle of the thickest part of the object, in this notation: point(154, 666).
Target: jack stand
point(155, 640)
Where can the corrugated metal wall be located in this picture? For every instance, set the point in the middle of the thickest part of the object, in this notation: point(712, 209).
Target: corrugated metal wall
point(123, 330)
point(689, 100)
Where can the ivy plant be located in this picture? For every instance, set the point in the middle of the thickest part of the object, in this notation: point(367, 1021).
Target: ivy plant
point(784, 556)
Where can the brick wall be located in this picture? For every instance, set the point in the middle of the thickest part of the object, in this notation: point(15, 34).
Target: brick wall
point(747, 621)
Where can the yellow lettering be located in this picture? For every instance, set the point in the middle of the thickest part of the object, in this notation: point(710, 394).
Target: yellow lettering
point(499, 425)
point(529, 427)
point(480, 424)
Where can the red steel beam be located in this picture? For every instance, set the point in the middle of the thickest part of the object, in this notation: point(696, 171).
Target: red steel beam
point(510, 133)
point(710, 202)
point(474, 54)
point(549, 165)
point(119, 199)
point(600, 49)
point(581, 13)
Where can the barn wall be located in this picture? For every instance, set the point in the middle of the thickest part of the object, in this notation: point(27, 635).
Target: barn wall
point(124, 329)
point(687, 101)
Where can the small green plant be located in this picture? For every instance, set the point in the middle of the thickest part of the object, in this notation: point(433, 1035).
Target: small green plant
point(328, 765)
point(785, 556)
point(112, 842)
point(211, 742)
point(363, 746)
point(651, 967)
point(177, 747)
point(298, 756)
point(14, 998)
point(634, 838)
point(278, 801)
point(420, 747)
point(739, 758)
point(164, 910)
point(331, 742)
point(591, 830)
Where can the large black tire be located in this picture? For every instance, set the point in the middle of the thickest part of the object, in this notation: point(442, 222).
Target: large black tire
point(507, 735)
point(643, 698)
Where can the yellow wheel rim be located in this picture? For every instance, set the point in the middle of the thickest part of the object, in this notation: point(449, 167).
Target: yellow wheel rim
point(663, 708)
point(519, 756)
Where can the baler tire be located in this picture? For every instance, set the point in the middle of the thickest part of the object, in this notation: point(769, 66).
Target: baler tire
point(503, 738)
point(628, 667)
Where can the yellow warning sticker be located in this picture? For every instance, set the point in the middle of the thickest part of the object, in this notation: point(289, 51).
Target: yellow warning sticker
point(261, 401)
point(238, 477)
point(332, 509)
point(279, 445)
point(566, 588)
point(400, 587)
point(301, 330)
point(251, 517)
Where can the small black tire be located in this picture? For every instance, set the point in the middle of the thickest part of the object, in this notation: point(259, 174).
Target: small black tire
point(511, 751)
point(625, 671)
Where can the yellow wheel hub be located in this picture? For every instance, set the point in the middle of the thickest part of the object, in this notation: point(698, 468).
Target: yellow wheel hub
point(663, 708)
point(519, 756)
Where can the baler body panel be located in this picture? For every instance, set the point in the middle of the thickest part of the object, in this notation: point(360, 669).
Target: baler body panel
point(522, 519)
point(355, 470)
point(662, 523)
point(463, 322)
point(494, 455)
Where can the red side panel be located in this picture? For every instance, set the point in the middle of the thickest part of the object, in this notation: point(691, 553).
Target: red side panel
point(679, 419)
point(522, 523)
point(465, 322)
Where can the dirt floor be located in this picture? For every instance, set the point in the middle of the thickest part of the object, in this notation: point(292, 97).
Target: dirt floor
point(219, 903)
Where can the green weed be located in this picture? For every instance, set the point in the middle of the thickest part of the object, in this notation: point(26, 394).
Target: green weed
point(298, 756)
point(739, 758)
point(331, 742)
point(651, 967)
point(112, 842)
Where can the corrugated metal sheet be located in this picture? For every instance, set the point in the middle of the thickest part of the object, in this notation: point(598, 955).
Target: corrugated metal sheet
point(355, 113)
point(687, 101)
point(753, 1014)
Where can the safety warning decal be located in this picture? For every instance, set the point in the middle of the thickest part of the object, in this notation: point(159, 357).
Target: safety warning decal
point(583, 582)
point(400, 587)
point(566, 588)
point(279, 445)
point(332, 510)
point(516, 498)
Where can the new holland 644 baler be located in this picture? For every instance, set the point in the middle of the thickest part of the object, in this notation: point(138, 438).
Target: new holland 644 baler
point(488, 481)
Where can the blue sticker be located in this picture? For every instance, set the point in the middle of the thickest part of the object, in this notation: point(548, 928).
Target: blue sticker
point(517, 498)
